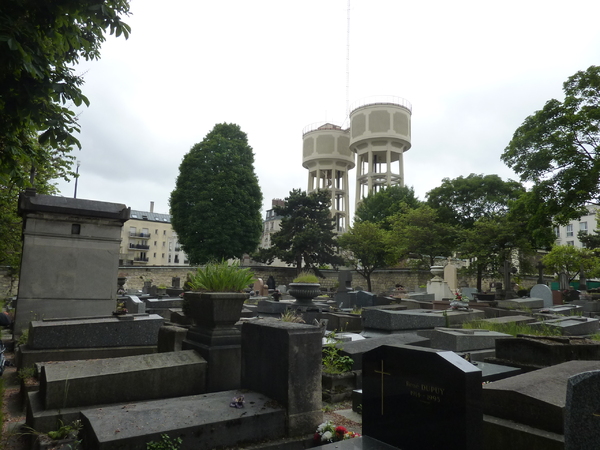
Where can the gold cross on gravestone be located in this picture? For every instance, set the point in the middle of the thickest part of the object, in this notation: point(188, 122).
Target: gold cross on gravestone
point(382, 374)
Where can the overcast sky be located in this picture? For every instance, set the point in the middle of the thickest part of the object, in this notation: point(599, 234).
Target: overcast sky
point(473, 71)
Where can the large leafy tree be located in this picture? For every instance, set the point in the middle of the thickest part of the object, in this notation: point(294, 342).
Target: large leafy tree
point(366, 246)
point(418, 233)
point(558, 149)
point(463, 200)
point(378, 207)
point(40, 43)
point(216, 201)
point(306, 237)
point(569, 260)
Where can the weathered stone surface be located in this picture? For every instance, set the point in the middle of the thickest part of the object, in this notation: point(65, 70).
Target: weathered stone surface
point(520, 303)
point(162, 303)
point(134, 305)
point(542, 291)
point(202, 422)
point(571, 326)
point(273, 307)
point(129, 379)
point(501, 434)
point(110, 331)
point(518, 319)
point(536, 398)
point(416, 319)
point(356, 349)
point(545, 351)
point(465, 340)
point(582, 422)
point(283, 361)
point(170, 338)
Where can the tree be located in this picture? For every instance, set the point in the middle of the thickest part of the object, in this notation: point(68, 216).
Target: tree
point(569, 260)
point(40, 42)
point(493, 240)
point(216, 202)
point(380, 206)
point(10, 222)
point(558, 149)
point(419, 233)
point(461, 201)
point(306, 232)
point(367, 248)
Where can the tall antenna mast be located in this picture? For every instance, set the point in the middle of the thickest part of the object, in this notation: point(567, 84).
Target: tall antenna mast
point(348, 62)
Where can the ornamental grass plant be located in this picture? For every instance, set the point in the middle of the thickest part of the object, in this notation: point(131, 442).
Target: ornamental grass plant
point(306, 277)
point(221, 277)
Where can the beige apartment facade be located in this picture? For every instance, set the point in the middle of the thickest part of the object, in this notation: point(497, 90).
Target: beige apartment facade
point(148, 239)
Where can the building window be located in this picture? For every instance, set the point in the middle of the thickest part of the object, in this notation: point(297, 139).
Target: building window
point(583, 227)
point(163, 243)
point(155, 243)
point(571, 243)
point(176, 259)
point(570, 230)
point(169, 259)
point(132, 231)
point(163, 256)
point(75, 228)
point(164, 232)
point(170, 246)
point(155, 231)
point(557, 232)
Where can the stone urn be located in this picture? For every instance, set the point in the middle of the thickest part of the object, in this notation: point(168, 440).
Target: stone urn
point(304, 292)
point(214, 309)
point(121, 282)
point(437, 272)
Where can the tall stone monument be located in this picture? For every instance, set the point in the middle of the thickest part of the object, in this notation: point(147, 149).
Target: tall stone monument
point(70, 259)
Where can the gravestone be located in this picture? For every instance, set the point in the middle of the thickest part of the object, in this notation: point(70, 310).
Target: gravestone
point(544, 292)
point(468, 292)
point(344, 281)
point(417, 399)
point(414, 319)
point(582, 412)
point(364, 298)
point(450, 276)
point(458, 340)
point(70, 257)
point(570, 326)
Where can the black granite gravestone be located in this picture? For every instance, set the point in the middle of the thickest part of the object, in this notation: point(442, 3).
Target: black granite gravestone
point(416, 398)
point(582, 412)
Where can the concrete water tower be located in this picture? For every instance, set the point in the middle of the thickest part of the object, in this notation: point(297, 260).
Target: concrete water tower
point(379, 135)
point(327, 156)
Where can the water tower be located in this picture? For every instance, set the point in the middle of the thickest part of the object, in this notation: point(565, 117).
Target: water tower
point(379, 135)
point(327, 156)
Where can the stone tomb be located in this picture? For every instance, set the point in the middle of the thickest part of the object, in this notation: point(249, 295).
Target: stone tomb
point(570, 326)
point(70, 257)
point(416, 398)
point(527, 411)
point(68, 387)
point(582, 412)
point(459, 340)
point(415, 319)
point(520, 303)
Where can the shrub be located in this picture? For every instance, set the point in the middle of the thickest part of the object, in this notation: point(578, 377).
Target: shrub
point(221, 277)
point(306, 277)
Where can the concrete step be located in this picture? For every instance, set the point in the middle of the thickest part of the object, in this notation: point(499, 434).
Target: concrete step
point(204, 421)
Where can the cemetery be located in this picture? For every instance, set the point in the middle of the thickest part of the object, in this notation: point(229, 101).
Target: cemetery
point(239, 367)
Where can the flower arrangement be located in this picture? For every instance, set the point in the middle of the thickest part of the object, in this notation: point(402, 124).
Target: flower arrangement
point(327, 432)
point(460, 298)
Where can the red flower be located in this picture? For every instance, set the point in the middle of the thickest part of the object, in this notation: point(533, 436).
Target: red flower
point(317, 438)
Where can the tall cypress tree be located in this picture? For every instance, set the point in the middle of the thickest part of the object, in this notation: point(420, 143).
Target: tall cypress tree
point(216, 203)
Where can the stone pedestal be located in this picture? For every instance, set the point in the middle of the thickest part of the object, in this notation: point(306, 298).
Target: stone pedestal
point(215, 337)
point(439, 288)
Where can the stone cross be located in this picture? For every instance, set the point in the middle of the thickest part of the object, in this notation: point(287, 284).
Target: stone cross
point(540, 268)
point(382, 374)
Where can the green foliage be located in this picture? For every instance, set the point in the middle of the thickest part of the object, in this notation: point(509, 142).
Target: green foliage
point(40, 43)
point(512, 328)
point(306, 277)
point(461, 201)
point(216, 202)
point(558, 149)
point(333, 362)
point(221, 277)
point(378, 207)
point(291, 316)
point(165, 443)
point(26, 372)
point(569, 259)
point(65, 431)
point(306, 233)
point(366, 247)
point(419, 233)
point(23, 338)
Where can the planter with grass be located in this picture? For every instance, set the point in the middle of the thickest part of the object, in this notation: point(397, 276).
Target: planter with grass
point(304, 288)
point(215, 305)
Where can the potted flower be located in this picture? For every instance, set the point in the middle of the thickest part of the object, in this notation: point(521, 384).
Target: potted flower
point(216, 297)
point(304, 288)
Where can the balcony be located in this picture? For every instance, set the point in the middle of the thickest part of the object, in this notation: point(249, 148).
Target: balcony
point(139, 247)
point(140, 260)
point(177, 249)
point(139, 235)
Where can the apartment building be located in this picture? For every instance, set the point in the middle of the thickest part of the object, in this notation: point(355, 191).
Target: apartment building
point(567, 234)
point(148, 239)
